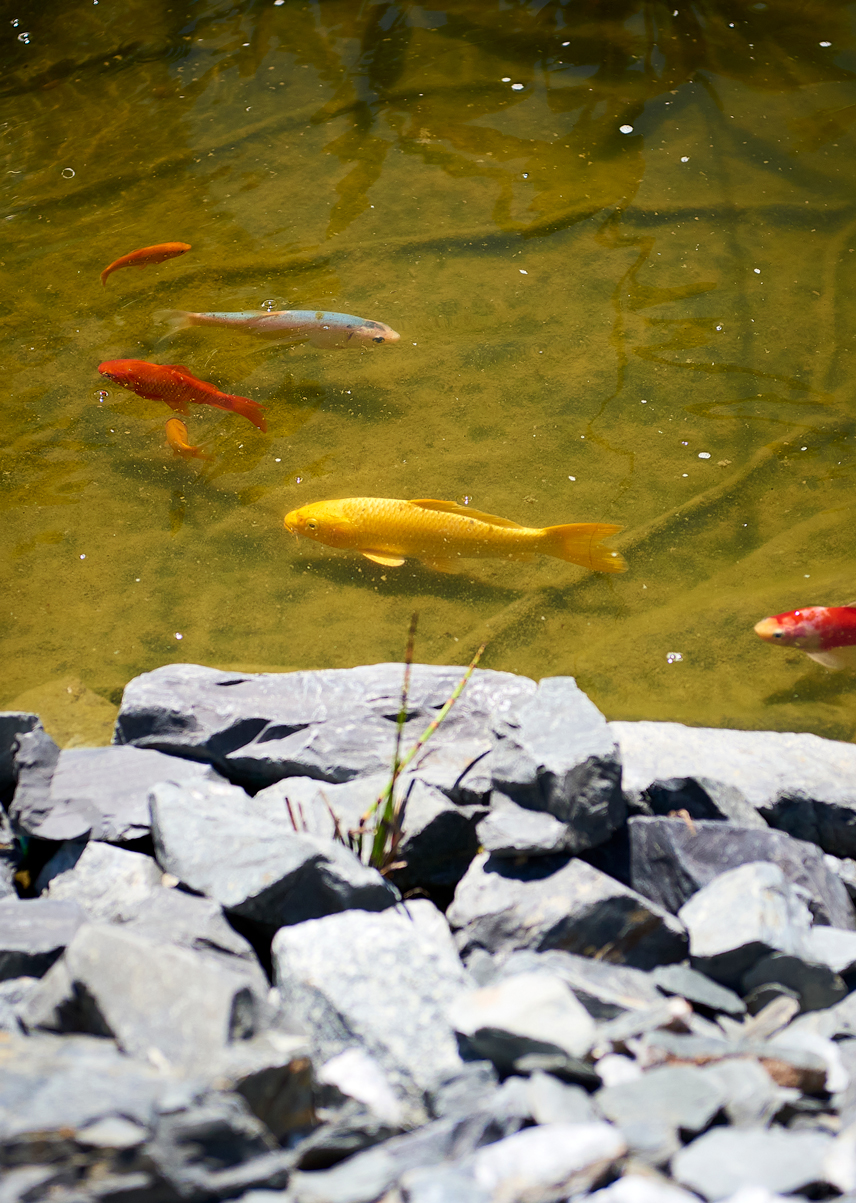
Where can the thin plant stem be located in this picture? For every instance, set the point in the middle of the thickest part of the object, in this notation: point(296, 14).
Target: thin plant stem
point(385, 825)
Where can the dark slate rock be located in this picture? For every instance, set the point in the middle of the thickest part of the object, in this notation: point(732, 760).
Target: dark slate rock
point(555, 902)
point(12, 724)
point(349, 1130)
point(525, 1014)
point(35, 757)
point(724, 1160)
point(739, 917)
point(556, 754)
point(108, 882)
point(272, 1072)
point(671, 859)
point(800, 783)
point(215, 839)
point(382, 982)
point(33, 934)
point(103, 792)
point(679, 1096)
point(9, 858)
point(816, 986)
point(605, 990)
point(155, 1000)
point(334, 724)
point(439, 837)
point(217, 1149)
point(698, 989)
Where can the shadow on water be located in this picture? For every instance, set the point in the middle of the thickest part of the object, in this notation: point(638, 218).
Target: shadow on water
point(410, 580)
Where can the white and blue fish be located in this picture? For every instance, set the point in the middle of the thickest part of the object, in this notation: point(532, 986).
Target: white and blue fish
point(322, 329)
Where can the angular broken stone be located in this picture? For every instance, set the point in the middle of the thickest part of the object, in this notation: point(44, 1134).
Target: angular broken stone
point(333, 724)
point(103, 792)
point(698, 989)
point(556, 902)
point(799, 783)
point(524, 1014)
point(214, 838)
point(12, 724)
point(112, 981)
point(604, 989)
point(107, 882)
point(678, 1096)
point(33, 934)
point(739, 917)
point(724, 1160)
point(815, 986)
point(548, 1161)
point(511, 830)
point(380, 982)
point(670, 860)
point(556, 754)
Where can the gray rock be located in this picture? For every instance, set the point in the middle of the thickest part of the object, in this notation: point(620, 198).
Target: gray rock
point(816, 986)
point(272, 1072)
point(382, 982)
point(644, 1188)
point(739, 917)
point(357, 1076)
point(441, 1184)
point(156, 1000)
point(724, 1160)
point(524, 1014)
point(555, 1102)
point(554, 902)
point(845, 868)
point(681, 1097)
point(605, 990)
point(33, 934)
point(547, 1162)
point(799, 783)
point(9, 858)
point(556, 754)
point(465, 1091)
point(697, 988)
point(511, 830)
point(350, 1129)
point(796, 1067)
point(334, 725)
point(49, 1083)
point(833, 947)
point(14, 993)
point(670, 860)
point(102, 792)
point(213, 838)
point(668, 1013)
point(217, 1149)
point(751, 1097)
point(107, 882)
point(34, 759)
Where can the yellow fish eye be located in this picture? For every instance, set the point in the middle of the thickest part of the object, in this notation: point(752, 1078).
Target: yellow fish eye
point(312, 524)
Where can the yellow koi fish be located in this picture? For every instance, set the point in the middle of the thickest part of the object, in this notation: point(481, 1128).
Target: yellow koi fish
point(440, 532)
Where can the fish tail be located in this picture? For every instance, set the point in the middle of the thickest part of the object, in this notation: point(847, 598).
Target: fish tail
point(251, 410)
point(177, 319)
point(580, 543)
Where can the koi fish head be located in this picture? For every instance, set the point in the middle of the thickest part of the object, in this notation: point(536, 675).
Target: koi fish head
point(323, 521)
point(799, 628)
point(124, 372)
point(377, 334)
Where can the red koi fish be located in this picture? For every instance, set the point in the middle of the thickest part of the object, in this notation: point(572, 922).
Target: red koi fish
point(825, 633)
point(176, 436)
point(177, 387)
point(146, 255)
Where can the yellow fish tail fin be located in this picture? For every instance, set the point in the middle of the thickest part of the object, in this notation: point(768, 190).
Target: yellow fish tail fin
point(580, 542)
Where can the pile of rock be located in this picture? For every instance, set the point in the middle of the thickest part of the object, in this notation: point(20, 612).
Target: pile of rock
point(609, 959)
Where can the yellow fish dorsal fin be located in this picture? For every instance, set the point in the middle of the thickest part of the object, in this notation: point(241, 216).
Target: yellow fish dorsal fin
point(179, 367)
point(463, 511)
point(380, 557)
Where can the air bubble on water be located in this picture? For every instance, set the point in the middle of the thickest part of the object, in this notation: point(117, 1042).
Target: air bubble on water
point(673, 657)
point(517, 87)
point(803, 448)
point(684, 444)
point(268, 305)
point(102, 395)
point(15, 23)
point(298, 480)
point(704, 455)
point(625, 129)
point(277, 461)
point(566, 43)
point(67, 173)
point(25, 38)
point(179, 635)
point(825, 43)
point(685, 158)
point(572, 478)
point(756, 270)
point(83, 557)
point(719, 327)
point(526, 175)
point(643, 402)
point(506, 79)
point(466, 500)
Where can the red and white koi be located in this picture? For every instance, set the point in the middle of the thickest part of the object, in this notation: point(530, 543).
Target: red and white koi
point(825, 633)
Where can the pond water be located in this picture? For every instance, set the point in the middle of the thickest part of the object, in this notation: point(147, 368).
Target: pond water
point(618, 240)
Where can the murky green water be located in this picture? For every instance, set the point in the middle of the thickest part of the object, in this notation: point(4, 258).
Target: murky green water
point(651, 327)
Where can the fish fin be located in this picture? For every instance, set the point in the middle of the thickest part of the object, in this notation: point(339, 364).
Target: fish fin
point(251, 410)
point(836, 657)
point(107, 271)
point(179, 367)
point(381, 557)
point(178, 319)
point(580, 543)
point(464, 511)
point(440, 565)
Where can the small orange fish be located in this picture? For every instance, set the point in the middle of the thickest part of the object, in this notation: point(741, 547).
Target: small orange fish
point(146, 255)
point(176, 386)
point(825, 633)
point(440, 532)
point(176, 436)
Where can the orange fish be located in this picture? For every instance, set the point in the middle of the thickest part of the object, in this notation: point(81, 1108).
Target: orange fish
point(825, 633)
point(175, 385)
point(146, 255)
point(176, 436)
point(440, 532)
